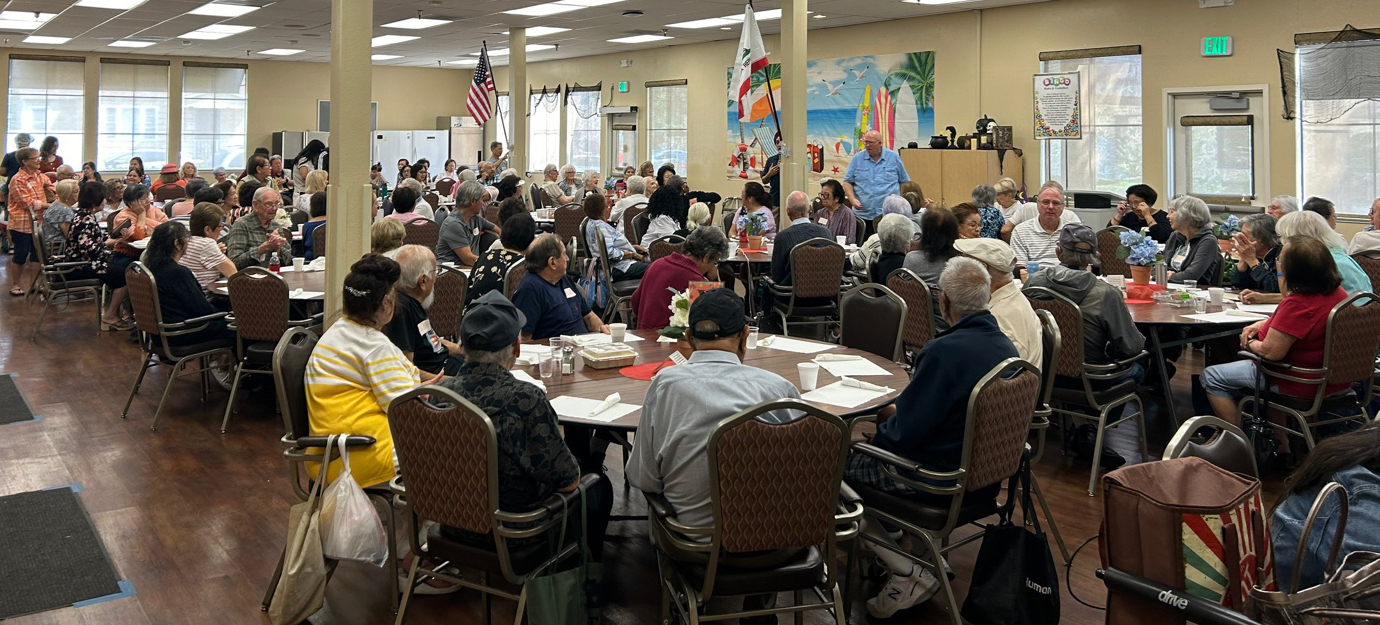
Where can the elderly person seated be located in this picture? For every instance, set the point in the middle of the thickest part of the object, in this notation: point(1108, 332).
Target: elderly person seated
point(134, 222)
point(868, 251)
point(570, 184)
point(386, 236)
point(993, 221)
point(316, 183)
point(57, 218)
point(1257, 249)
point(1109, 334)
point(697, 260)
point(410, 328)
point(87, 244)
point(593, 182)
point(938, 233)
point(168, 176)
point(318, 219)
point(627, 261)
point(1310, 224)
point(755, 200)
point(894, 233)
point(969, 221)
point(64, 172)
point(1031, 210)
point(1007, 192)
point(1036, 238)
point(255, 238)
point(637, 194)
point(930, 417)
point(552, 302)
point(404, 200)
point(459, 239)
point(491, 271)
point(1012, 310)
point(1138, 211)
point(1368, 240)
point(419, 206)
point(1192, 253)
point(800, 230)
point(1281, 205)
point(184, 206)
point(180, 296)
point(205, 256)
point(666, 214)
point(1324, 208)
point(835, 214)
point(551, 186)
point(1295, 334)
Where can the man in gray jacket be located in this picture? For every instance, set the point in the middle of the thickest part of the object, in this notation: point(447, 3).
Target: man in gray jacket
point(1109, 334)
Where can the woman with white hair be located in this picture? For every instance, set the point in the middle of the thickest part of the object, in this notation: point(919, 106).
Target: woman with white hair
point(1192, 253)
point(1312, 225)
point(894, 233)
point(1007, 190)
point(1281, 205)
point(592, 182)
point(872, 247)
point(551, 184)
point(993, 221)
point(570, 184)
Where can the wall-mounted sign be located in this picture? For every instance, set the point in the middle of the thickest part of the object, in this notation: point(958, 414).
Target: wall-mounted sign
point(1216, 46)
point(1058, 112)
point(622, 86)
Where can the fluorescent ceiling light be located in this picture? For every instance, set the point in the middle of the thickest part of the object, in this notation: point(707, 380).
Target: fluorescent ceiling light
point(587, 3)
point(560, 6)
point(818, 16)
point(640, 39)
point(416, 23)
point(388, 40)
point(119, 5)
point(531, 47)
point(217, 9)
point(54, 41)
point(935, 1)
point(729, 20)
point(216, 31)
point(131, 43)
point(281, 51)
point(384, 57)
point(542, 31)
point(466, 62)
point(23, 20)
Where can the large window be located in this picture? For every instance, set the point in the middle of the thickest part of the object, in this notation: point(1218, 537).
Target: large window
point(133, 115)
point(46, 98)
point(582, 129)
point(544, 131)
point(1108, 157)
point(504, 118)
point(668, 123)
point(214, 116)
point(1341, 158)
point(1221, 155)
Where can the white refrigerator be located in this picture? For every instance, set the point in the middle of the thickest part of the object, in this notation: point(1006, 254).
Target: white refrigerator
point(391, 145)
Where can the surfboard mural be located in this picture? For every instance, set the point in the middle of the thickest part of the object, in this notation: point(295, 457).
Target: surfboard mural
point(892, 94)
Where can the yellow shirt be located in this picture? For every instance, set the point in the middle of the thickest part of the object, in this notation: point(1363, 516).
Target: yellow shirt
point(352, 376)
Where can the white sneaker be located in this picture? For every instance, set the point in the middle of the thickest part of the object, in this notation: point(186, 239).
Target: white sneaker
point(224, 374)
point(901, 592)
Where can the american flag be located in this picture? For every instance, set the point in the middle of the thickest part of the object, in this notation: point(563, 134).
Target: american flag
point(478, 101)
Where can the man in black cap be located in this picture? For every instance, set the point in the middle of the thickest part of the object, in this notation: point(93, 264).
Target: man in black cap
point(686, 402)
point(533, 461)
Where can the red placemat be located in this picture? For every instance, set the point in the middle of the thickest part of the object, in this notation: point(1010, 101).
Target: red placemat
point(1140, 301)
point(748, 251)
point(645, 372)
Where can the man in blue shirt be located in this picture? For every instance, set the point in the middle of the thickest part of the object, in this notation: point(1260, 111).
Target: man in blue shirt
point(548, 298)
point(873, 174)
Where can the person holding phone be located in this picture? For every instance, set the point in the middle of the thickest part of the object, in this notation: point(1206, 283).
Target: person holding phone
point(134, 223)
point(1138, 211)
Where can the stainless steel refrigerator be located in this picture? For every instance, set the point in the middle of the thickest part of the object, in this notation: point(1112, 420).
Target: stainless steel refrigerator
point(467, 145)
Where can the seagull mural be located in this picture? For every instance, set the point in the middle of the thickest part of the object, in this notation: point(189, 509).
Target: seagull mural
point(834, 89)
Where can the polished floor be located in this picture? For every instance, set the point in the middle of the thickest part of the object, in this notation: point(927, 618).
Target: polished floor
point(196, 519)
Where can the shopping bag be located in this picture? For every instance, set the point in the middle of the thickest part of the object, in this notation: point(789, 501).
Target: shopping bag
point(301, 588)
point(350, 526)
point(1014, 579)
point(567, 597)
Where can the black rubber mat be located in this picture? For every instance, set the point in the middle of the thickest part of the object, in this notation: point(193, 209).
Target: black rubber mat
point(51, 555)
point(13, 408)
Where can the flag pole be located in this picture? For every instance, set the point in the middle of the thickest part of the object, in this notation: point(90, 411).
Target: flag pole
point(484, 52)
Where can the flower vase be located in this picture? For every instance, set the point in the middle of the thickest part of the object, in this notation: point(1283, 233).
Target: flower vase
point(754, 242)
point(1227, 245)
point(1140, 275)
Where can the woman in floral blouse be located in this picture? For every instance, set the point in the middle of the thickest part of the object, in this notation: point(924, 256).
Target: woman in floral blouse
point(491, 269)
point(985, 197)
point(87, 242)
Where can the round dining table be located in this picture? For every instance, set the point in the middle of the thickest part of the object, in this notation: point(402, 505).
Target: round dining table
point(588, 382)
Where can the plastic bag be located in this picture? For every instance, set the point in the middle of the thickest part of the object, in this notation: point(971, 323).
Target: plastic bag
point(350, 526)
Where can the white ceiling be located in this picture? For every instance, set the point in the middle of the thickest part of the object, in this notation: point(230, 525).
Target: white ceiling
point(305, 24)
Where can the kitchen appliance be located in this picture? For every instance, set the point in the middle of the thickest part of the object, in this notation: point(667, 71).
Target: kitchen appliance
point(467, 144)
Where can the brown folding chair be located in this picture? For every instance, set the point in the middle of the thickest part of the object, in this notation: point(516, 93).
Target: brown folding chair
point(994, 442)
point(816, 274)
point(261, 315)
point(640, 224)
point(1353, 338)
point(170, 192)
point(920, 307)
point(568, 219)
point(665, 246)
point(629, 216)
point(452, 286)
point(1370, 263)
point(490, 213)
point(421, 231)
point(444, 186)
point(154, 335)
point(774, 488)
point(318, 241)
point(878, 320)
point(450, 457)
point(52, 284)
point(432, 200)
point(513, 276)
point(1039, 425)
point(1108, 242)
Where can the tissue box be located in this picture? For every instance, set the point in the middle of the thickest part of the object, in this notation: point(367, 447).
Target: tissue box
point(608, 355)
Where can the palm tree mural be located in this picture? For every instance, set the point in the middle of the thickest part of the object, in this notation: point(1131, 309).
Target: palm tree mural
point(918, 71)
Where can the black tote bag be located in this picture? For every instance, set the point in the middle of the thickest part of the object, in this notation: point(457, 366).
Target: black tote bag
point(1014, 579)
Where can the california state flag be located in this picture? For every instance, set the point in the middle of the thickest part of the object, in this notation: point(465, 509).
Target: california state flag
point(752, 56)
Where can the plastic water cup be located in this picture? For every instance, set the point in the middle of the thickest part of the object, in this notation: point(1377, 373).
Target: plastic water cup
point(548, 364)
point(617, 331)
point(298, 264)
point(809, 375)
point(752, 337)
point(842, 240)
point(1200, 303)
point(1031, 267)
point(1215, 295)
point(556, 344)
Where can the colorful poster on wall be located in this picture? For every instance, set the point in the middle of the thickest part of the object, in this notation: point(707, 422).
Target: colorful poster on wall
point(846, 97)
point(1058, 113)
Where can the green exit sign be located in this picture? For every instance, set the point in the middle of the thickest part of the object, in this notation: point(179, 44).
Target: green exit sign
point(622, 86)
point(1216, 46)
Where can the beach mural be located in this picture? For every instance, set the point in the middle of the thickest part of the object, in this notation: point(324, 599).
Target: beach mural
point(890, 93)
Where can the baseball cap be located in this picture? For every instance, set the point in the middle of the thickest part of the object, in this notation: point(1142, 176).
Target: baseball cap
point(1078, 237)
point(994, 253)
point(168, 169)
point(491, 323)
point(724, 308)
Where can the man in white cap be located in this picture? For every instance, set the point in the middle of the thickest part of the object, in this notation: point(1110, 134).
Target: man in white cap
point(1013, 312)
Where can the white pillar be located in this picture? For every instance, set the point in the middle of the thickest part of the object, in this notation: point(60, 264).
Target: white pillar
point(519, 96)
point(791, 98)
point(350, 198)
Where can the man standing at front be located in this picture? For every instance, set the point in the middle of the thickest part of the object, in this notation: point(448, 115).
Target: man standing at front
point(459, 240)
point(254, 238)
point(873, 174)
point(1036, 240)
point(685, 403)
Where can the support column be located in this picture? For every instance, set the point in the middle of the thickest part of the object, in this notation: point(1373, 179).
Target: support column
point(91, 112)
point(519, 96)
point(174, 116)
point(350, 198)
point(791, 98)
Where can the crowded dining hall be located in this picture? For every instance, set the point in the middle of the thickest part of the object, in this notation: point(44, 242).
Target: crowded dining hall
point(642, 311)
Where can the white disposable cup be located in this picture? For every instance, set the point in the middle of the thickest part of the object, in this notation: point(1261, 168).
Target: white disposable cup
point(809, 375)
point(1215, 295)
point(549, 364)
point(298, 264)
point(752, 337)
point(842, 240)
point(617, 331)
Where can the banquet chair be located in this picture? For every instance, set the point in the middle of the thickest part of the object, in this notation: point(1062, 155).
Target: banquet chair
point(513, 276)
point(919, 328)
point(444, 186)
point(878, 320)
point(290, 357)
point(1108, 241)
point(1228, 447)
point(448, 449)
point(432, 200)
point(486, 240)
point(154, 335)
point(490, 213)
point(1094, 388)
point(1352, 340)
point(452, 286)
point(620, 292)
point(665, 246)
point(261, 314)
point(421, 231)
point(640, 224)
point(318, 241)
point(1370, 263)
point(52, 284)
point(567, 220)
point(540, 199)
point(777, 517)
point(629, 215)
point(1040, 422)
point(816, 273)
point(170, 192)
point(994, 445)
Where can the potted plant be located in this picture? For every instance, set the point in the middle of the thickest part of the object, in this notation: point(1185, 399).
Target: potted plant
point(680, 319)
point(752, 225)
point(1224, 228)
point(1141, 253)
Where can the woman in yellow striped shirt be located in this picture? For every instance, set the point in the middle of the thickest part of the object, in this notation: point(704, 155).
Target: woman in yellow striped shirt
point(355, 371)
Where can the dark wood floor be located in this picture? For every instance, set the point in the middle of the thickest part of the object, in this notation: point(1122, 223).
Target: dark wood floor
point(196, 519)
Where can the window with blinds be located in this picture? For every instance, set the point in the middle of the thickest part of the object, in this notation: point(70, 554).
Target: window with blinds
point(668, 125)
point(583, 126)
point(47, 98)
point(1108, 157)
point(215, 115)
point(133, 119)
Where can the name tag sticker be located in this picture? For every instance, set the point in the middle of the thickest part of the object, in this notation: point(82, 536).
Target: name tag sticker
point(424, 329)
point(823, 221)
point(569, 293)
point(476, 232)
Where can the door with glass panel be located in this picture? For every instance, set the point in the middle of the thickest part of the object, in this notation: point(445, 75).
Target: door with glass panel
point(1218, 150)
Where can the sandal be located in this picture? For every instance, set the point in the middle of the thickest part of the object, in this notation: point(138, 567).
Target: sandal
point(120, 326)
point(16, 292)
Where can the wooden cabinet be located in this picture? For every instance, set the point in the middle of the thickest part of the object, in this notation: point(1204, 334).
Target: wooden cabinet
point(948, 176)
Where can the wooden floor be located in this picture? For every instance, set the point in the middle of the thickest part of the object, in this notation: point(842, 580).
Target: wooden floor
point(196, 519)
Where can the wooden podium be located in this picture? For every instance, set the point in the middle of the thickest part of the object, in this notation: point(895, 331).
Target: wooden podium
point(948, 176)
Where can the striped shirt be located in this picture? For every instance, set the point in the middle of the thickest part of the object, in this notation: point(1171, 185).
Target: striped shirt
point(1031, 243)
point(352, 376)
point(203, 257)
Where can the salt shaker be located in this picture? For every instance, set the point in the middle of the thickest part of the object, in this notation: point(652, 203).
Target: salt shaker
point(567, 359)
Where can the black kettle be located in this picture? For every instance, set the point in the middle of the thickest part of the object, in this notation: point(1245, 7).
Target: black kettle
point(939, 142)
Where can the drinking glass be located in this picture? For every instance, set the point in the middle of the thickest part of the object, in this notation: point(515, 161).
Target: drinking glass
point(752, 337)
point(549, 363)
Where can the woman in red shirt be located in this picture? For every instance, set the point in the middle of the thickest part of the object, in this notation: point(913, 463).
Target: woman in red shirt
point(48, 159)
point(1295, 334)
point(698, 260)
point(168, 176)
